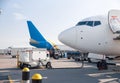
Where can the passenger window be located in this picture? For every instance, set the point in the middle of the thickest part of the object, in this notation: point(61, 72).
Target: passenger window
point(97, 23)
point(90, 23)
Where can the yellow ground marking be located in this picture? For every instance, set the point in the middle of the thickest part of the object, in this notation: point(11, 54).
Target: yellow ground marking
point(10, 79)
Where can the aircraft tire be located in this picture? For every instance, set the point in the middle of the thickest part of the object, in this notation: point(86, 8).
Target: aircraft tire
point(102, 65)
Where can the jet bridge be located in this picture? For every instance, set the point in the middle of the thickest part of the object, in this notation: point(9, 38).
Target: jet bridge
point(114, 22)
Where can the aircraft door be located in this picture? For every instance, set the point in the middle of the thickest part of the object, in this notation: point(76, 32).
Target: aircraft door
point(114, 21)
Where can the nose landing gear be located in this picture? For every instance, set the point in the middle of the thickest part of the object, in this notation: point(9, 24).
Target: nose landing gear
point(102, 65)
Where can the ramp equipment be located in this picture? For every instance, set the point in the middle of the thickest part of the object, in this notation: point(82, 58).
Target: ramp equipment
point(114, 22)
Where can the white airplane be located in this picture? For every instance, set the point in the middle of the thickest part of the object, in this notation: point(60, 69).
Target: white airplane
point(97, 34)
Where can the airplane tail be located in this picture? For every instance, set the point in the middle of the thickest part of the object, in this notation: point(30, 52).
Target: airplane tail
point(35, 35)
point(37, 39)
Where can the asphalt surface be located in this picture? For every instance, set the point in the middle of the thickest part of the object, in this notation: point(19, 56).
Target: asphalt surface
point(69, 75)
point(88, 74)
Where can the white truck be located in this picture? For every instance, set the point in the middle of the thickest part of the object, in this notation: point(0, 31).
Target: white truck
point(34, 58)
point(14, 52)
point(3, 51)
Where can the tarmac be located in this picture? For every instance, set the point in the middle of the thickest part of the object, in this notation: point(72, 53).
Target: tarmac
point(64, 71)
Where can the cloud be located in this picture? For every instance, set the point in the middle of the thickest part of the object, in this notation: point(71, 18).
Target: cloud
point(19, 16)
point(17, 6)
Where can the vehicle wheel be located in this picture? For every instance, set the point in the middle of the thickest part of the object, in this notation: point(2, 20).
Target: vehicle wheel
point(24, 65)
point(21, 66)
point(48, 65)
point(56, 57)
point(68, 57)
point(13, 56)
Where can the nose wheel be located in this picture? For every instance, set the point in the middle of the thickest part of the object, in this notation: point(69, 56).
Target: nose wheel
point(83, 58)
point(102, 65)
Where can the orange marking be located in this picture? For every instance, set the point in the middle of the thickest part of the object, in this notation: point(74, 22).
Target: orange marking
point(114, 17)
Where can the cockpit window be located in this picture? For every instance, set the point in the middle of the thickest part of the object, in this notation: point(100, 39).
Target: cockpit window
point(97, 23)
point(82, 23)
point(89, 23)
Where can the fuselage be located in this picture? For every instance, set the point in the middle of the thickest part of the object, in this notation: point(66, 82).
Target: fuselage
point(93, 35)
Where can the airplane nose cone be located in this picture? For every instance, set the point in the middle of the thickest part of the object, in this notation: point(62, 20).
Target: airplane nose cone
point(68, 37)
point(62, 36)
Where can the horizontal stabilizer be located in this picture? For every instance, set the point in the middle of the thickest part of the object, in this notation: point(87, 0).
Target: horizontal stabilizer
point(32, 41)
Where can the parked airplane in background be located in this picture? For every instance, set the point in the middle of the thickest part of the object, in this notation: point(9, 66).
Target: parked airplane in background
point(97, 34)
point(39, 41)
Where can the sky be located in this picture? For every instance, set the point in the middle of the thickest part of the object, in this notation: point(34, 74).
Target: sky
point(49, 16)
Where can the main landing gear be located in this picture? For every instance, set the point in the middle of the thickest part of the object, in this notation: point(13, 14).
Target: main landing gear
point(102, 65)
